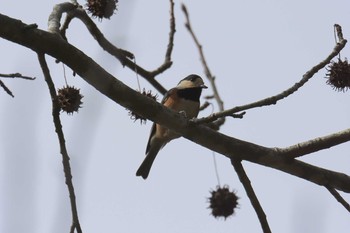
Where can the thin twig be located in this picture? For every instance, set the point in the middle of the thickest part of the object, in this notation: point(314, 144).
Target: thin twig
point(238, 115)
point(207, 71)
point(59, 131)
point(8, 91)
point(65, 25)
point(339, 32)
point(273, 99)
point(167, 62)
point(56, 15)
point(16, 75)
point(120, 54)
point(237, 164)
point(77, 11)
point(339, 198)
point(204, 106)
point(171, 33)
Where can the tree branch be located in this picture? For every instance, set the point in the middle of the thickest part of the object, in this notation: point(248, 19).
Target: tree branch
point(207, 71)
point(339, 198)
point(95, 75)
point(59, 131)
point(81, 14)
point(122, 55)
point(167, 61)
point(274, 99)
point(14, 75)
point(6, 89)
point(237, 164)
point(316, 144)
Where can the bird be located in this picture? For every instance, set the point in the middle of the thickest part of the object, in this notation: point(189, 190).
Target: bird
point(183, 98)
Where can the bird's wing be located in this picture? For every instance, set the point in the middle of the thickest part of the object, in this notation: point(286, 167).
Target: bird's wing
point(169, 105)
point(167, 95)
point(153, 131)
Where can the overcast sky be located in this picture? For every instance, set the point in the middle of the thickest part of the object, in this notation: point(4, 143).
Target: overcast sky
point(254, 48)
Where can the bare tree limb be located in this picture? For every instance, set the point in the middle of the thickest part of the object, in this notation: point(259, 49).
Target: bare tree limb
point(316, 144)
point(339, 32)
point(80, 13)
point(6, 89)
point(65, 157)
point(54, 21)
point(339, 198)
point(73, 11)
point(167, 62)
point(122, 55)
point(65, 25)
point(237, 164)
point(274, 99)
point(207, 71)
point(233, 148)
point(14, 75)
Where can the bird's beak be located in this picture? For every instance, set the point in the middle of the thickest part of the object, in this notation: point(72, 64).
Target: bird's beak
point(203, 86)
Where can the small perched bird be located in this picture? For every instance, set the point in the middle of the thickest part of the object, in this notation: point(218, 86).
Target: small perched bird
point(182, 98)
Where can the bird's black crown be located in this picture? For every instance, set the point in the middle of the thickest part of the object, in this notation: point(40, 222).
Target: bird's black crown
point(192, 78)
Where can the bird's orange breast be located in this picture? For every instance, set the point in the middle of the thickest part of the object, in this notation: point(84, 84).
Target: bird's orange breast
point(191, 109)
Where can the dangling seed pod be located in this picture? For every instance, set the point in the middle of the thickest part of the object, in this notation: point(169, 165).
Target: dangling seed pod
point(134, 116)
point(223, 202)
point(69, 99)
point(102, 8)
point(339, 75)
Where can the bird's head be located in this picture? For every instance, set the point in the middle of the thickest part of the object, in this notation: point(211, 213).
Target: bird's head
point(191, 81)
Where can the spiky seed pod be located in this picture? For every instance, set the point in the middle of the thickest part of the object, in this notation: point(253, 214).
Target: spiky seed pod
point(102, 8)
point(223, 202)
point(69, 99)
point(339, 75)
point(134, 116)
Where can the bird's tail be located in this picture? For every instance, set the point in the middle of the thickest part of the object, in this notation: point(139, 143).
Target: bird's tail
point(146, 165)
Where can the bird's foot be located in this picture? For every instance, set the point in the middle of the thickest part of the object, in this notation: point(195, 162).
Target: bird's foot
point(183, 113)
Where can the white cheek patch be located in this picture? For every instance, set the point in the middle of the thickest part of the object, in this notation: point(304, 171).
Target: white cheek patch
point(185, 84)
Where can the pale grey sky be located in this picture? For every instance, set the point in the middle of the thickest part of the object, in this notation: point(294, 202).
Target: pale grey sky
point(255, 49)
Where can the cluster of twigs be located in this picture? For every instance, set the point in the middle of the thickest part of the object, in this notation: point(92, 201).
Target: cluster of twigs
point(14, 75)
